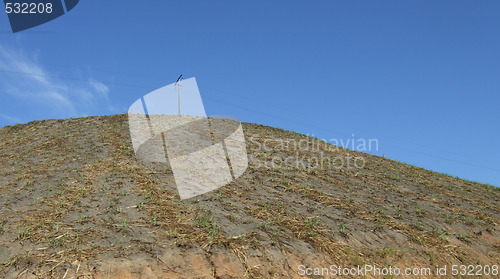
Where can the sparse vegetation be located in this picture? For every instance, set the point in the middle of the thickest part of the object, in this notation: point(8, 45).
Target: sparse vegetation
point(463, 237)
point(81, 193)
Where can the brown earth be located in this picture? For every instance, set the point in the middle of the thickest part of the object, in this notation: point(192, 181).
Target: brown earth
point(76, 203)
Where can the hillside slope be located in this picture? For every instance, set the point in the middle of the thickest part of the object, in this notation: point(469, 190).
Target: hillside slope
point(76, 203)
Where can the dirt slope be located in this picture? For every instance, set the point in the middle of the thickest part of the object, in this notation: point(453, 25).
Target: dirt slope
point(75, 203)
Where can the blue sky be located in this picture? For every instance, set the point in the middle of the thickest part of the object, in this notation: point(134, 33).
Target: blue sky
point(422, 77)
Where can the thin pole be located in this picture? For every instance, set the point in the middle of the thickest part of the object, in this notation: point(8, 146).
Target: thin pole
point(179, 97)
point(178, 82)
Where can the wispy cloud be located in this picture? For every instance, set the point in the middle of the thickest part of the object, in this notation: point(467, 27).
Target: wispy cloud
point(23, 78)
point(10, 119)
point(32, 82)
point(100, 88)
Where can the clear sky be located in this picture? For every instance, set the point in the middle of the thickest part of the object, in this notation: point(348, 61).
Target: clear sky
point(422, 77)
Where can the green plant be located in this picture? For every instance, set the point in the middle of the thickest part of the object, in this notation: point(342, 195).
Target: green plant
point(213, 230)
point(399, 212)
point(418, 211)
point(449, 219)
point(419, 226)
point(58, 241)
point(312, 222)
point(387, 251)
point(172, 232)
point(421, 240)
point(207, 221)
point(379, 221)
point(218, 196)
point(342, 227)
point(393, 176)
point(470, 221)
point(279, 204)
point(124, 224)
point(204, 221)
point(83, 191)
point(126, 150)
point(141, 205)
point(441, 233)
point(463, 237)
point(154, 219)
point(24, 234)
point(275, 237)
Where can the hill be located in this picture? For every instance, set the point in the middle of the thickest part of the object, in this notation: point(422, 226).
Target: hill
point(76, 203)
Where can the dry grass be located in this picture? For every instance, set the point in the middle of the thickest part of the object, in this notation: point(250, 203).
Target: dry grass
point(74, 197)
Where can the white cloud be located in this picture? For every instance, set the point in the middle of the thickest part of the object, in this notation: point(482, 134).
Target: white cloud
point(100, 88)
point(24, 78)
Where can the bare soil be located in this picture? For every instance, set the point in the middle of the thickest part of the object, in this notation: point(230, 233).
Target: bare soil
point(76, 203)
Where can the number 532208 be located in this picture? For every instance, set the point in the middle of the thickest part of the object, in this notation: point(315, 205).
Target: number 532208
point(28, 8)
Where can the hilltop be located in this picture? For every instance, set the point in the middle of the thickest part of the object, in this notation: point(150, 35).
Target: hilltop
point(76, 203)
